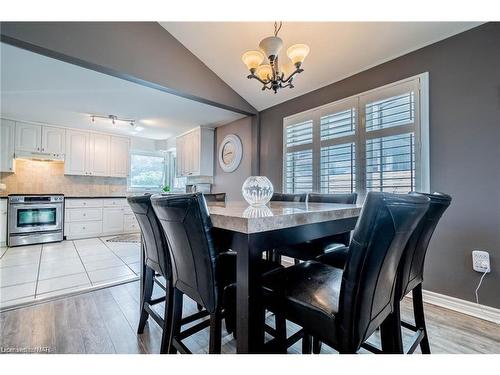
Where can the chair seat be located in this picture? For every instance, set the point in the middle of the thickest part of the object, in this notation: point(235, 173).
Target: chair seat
point(309, 250)
point(309, 292)
point(334, 256)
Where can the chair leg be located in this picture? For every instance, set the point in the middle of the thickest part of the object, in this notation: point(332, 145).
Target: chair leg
point(214, 346)
point(418, 311)
point(316, 346)
point(148, 281)
point(398, 336)
point(175, 329)
point(280, 324)
point(167, 319)
point(306, 343)
point(388, 334)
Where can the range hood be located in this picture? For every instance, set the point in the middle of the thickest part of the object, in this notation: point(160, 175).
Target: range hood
point(40, 156)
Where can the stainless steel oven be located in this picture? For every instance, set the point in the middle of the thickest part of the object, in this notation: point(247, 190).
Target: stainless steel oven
point(35, 219)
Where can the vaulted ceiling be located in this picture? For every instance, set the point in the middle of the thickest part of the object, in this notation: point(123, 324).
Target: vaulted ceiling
point(338, 49)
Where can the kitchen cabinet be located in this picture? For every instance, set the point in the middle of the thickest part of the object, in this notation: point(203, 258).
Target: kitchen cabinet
point(97, 217)
point(195, 153)
point(53, 140)
point(28, 137)
point(3, 222)
point(7, 141)
point(77, 144)
point(119, 156)
point(112, 220)
point(96, 154)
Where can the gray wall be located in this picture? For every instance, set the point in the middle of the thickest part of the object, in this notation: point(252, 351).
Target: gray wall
point(464, 78)
point(142, 52)
point(231, 183)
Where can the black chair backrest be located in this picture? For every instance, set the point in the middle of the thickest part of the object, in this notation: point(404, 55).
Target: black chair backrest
point(187, 226)
point(370, 274)
point(156, 254)
point(412, 268)
point(283, 197)
point(347, 198)
point(215, 197)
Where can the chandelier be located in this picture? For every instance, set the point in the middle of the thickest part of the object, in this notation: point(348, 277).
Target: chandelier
point(272, 75)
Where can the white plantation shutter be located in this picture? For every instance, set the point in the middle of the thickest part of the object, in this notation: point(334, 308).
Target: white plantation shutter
point(298, 138)
point(374, 141)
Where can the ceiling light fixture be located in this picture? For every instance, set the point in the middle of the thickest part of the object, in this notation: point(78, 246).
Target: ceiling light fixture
point(271, 75)
point(113, 119)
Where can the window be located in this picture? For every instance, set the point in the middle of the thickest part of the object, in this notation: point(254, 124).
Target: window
point(374, 141)
point(147, 171)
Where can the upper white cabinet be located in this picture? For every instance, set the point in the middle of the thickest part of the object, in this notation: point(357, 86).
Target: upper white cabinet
point(99, 154)
point(119, 156)
point(39, 139)
point(53, 140)
point(77, 145)
point(28, 137)
point(96, 154)
point(7, 141)
point(195, 153)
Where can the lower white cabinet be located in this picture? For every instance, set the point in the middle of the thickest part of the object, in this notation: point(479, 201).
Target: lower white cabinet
point(112, 220)
point(3, 222)
point(98, 217)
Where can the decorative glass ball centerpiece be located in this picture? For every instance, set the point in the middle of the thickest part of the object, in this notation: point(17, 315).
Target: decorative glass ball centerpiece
point(257, 190)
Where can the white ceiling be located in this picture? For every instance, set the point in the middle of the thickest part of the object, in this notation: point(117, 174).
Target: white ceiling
point(338, 49)
point(40, 89)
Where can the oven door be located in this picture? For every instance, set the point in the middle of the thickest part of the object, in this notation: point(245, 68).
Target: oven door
point(28, 218)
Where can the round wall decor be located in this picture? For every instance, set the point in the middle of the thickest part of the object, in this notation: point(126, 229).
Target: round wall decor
point(230, 153)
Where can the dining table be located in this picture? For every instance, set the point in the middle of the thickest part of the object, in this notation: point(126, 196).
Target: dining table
point(251, 231)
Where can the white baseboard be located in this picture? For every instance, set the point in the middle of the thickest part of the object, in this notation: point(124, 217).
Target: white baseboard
point(465, 307)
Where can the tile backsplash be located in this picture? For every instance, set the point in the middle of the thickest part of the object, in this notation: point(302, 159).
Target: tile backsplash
point(45, 177)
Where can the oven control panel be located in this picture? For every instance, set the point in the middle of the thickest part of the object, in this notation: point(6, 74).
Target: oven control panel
point(40, 199)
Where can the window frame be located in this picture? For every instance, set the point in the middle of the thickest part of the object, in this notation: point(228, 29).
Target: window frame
point(131, 188)
point(420, 83)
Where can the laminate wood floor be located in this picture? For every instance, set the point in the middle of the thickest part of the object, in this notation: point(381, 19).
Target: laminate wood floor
point(105, 321)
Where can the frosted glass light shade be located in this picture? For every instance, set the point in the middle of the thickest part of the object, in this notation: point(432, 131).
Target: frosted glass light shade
point(264, 72)
point(252, 59)
point(271, 46)
point(287, 69)
point(297, 53)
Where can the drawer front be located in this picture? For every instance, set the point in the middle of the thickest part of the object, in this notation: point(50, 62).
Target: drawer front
point(84, 229)
point(130, 224)
point(72, 203)
point(83, 214)
point(127, 210)
point(114, 202)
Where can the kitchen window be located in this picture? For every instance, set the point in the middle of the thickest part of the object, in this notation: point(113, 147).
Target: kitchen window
point(147, 171)
point(374, 141)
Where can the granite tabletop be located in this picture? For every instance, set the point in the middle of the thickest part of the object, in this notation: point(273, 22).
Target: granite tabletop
point(240, 217)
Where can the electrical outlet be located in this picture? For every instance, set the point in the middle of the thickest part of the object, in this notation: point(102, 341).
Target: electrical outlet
point(481, 261)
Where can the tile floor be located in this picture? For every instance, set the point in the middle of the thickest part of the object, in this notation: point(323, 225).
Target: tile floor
point(37, 272)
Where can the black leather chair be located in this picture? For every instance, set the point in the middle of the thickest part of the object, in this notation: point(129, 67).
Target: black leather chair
point(198, 269)
point(312, 249)
point(343, 307)
point(284, 197)
point(156, 262)
point(411, 271)
point(215, 197)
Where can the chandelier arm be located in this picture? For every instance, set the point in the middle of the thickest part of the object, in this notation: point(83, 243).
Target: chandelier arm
point(250, 76)
point(297, 71)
